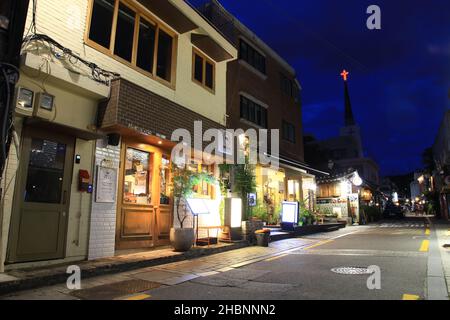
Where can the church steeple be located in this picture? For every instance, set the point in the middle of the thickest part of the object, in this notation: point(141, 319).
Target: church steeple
point(349, 120)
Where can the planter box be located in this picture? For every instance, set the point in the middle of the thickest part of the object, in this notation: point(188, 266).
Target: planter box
point(262, 239)
point(249, 228)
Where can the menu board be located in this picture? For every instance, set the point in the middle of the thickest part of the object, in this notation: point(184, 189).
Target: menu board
point(106, 185)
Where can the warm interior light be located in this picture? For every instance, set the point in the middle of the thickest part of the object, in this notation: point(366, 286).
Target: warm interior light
point(159, 142)
point(345, 186)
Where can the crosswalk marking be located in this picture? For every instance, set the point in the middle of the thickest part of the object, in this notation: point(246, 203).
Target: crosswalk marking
point(401, 225)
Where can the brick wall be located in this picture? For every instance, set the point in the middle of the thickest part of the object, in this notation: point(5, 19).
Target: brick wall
point(133, 105)
point(267, 90)
point(103, 215)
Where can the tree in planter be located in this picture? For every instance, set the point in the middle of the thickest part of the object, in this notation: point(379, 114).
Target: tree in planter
point(244, 184)
point(183, 182)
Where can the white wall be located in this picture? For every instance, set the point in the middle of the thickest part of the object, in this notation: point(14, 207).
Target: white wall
point(103, 215)
point(65, 22)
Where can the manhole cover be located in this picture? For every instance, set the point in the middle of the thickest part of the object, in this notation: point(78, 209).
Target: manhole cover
point(115, 290)
point(352, 270)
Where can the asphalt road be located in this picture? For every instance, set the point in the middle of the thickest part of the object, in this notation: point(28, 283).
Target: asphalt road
point(291, 269)
point(393, 246)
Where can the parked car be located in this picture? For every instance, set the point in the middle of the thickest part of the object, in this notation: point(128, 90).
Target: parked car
point(393, 211)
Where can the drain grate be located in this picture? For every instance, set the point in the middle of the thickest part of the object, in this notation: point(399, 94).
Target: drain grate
point(352, 270)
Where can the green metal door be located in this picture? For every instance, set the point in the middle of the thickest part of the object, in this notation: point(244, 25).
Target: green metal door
point(41, 201)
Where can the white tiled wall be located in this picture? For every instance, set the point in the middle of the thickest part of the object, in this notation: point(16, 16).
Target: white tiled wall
point(103, 215)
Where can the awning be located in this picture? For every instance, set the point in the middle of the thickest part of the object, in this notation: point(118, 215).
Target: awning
point(296, 165)
point(64, 129)
point(170, 14)
point(210, 47)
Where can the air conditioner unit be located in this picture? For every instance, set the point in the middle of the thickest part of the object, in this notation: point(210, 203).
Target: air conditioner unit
point(24, 101)
point(44, 106)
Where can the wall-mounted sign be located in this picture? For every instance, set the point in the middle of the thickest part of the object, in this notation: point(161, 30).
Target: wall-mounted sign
point(252, 200)
point(106, 185)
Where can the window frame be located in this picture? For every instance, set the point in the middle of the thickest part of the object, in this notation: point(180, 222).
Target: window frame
point(252, 54)
point(151, 19)
point(197, 194)
point(287, 125)
point(264, 115)
point(205, 59)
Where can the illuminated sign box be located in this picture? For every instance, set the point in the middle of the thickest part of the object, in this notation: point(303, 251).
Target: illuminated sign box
point(289, 215)
point(233, 216)
point(289, 212)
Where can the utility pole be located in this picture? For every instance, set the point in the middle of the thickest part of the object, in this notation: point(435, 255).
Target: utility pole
point(13, 14)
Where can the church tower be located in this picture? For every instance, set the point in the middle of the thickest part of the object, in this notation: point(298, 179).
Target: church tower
point(350, 127)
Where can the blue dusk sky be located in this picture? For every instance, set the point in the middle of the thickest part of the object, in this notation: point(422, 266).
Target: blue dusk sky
point(399, 76)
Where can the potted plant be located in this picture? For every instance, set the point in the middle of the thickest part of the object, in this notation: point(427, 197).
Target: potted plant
point(183, 182)
point(262, 237)
point(244, 184)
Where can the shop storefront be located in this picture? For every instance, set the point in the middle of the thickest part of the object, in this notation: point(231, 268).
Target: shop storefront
point(144, 210)
point(288, 183)
point(46, 208)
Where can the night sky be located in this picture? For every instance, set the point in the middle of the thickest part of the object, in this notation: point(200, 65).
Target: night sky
point(399, 75)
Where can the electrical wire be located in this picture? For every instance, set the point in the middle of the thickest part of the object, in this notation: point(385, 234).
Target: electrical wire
point(97, 74)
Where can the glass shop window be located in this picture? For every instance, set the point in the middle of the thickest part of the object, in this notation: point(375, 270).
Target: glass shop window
point(203, 189)
point(165, 180)
point(137, 178)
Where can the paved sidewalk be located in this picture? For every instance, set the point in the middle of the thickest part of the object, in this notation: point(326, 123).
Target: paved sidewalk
point(24, 279)
point(443, 238)
point(168, 274)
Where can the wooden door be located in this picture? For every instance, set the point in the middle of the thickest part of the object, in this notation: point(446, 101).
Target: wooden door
point(41, 200)
point(136, 214)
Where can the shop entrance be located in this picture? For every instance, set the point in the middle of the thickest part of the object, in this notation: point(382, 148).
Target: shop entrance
point(144, 215)
point(41, 200)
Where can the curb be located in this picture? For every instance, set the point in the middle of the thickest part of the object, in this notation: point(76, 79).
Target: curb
point(60, 275)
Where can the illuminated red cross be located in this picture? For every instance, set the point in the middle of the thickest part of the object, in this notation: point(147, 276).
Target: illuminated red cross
point(344, 75)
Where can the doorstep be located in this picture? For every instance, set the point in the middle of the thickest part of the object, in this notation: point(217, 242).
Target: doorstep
point(26, 279)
